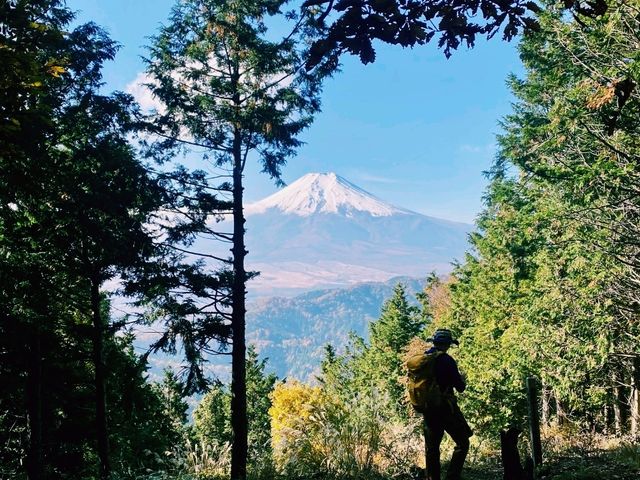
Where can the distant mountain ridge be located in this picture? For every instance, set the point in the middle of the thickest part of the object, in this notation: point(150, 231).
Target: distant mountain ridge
point(329, 254)
point(293, 332)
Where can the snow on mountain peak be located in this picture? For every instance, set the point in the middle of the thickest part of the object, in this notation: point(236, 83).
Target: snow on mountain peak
point(324, 193)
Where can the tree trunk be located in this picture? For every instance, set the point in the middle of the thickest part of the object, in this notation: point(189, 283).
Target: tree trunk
point(606, 414)
point(561, 415)
point(102, 432)
point(534, 421)
point(546, 398)
point(35, 458)
point(619, 400)
point(238, 375)
point(635, 396)
point(510, 455)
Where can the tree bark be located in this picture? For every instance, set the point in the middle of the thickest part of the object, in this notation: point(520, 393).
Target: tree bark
point(534, 421)
point(510, 455)
point(35, 457)
point(238, 357)
point(618, 400)
point(635, 396)
point(102, 432)
point(546, 399)
point(561, 415)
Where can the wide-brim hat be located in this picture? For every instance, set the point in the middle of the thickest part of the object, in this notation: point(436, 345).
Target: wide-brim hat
point(442, 335)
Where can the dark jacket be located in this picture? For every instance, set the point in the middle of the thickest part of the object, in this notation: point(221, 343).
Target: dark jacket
point(447, 373)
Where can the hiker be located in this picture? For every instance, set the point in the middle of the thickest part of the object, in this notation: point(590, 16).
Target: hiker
point(437, 402)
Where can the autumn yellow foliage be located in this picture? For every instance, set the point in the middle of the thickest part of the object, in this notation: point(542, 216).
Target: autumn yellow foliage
point(292, 406)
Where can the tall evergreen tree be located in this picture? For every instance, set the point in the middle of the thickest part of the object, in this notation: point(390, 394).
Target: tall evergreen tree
point(75, 209)
point(106, 199)
point(581, 141)
point(212, 416)
point(227, 87)
point(174, 405)
point(260, 384)
point(375, 369)
point(398, 323)
point(44, 68)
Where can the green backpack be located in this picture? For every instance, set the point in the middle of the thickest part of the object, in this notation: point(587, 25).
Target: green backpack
point(424, 391)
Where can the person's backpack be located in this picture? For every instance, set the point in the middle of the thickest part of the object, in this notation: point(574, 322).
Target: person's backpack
point(424, 391)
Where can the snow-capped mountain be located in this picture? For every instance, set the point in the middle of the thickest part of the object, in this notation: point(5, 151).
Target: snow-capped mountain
point(329, 254)
point(322, 231)
point(324, 193)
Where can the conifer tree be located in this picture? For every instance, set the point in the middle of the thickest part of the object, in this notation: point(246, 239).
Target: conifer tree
point(212, 416)
point(105, 201)
point(375, 368)
point(398, 323)
point(260, 384)
point(76, 209)
point(170, 391)
point(544, 291)
point(226, 86)
point(48, 72)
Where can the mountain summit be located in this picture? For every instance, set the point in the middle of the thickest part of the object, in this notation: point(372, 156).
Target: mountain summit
point(322, 231)
point(325, 193)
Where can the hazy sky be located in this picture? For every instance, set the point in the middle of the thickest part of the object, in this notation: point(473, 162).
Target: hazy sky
point(414, 128)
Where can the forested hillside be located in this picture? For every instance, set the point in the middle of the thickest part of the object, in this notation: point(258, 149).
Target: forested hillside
point(550, 288)
point(293, 332)
point(76, 203)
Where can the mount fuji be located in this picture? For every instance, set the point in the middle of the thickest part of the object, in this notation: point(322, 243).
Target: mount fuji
point(317, 193)
point(322, 231)
point(329, 254)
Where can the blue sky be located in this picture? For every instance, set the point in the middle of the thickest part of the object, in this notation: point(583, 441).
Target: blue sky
point(414, 128)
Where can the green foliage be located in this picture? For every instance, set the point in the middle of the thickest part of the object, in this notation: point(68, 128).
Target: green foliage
point(628, 453)
point(228, 87)
point(546, 291)
point(338, 439)
point(356, 424)
point(377, 369)
point(550, 288)
point(399, 322)
point(75, 208)
point(145, 420)
point(259, 388)
point(174, 406)
point(212, 416)
point(221, 79)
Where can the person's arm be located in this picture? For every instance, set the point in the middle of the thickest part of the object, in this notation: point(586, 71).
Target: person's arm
point(450, 373)
point(460, 382)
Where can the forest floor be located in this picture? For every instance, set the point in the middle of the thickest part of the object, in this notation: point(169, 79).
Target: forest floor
point(619, 463)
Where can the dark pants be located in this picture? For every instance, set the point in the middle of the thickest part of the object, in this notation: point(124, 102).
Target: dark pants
point(448, 419)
